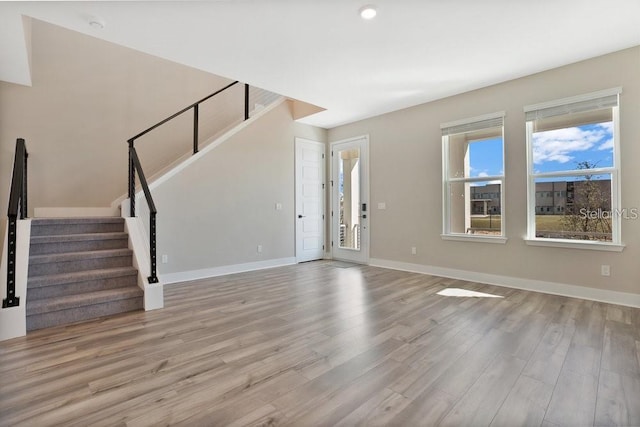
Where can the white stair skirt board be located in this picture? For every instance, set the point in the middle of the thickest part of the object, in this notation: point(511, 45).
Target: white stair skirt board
point(205, 273)
point(562, 289)
point(13, 320)
point(75, 212)
point(153, 292)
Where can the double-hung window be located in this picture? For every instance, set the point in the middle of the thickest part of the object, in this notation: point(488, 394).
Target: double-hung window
point(573, 172)
point(473, 179)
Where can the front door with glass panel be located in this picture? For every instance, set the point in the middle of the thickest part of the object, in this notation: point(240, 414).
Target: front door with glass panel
point(350, 200)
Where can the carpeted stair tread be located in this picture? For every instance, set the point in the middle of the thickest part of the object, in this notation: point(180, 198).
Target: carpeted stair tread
point(57, 238)
point(64, 243)
point(60, 226)
point(48, 305)
point(76, 256)
point(79, 220)
point(69, 262)
point(80, 282)
point(81, 314)
point(80, 276)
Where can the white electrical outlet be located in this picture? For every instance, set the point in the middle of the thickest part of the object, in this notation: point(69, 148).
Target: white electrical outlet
point(278, 206)
point(605, 270)
point(165, 258)
point(259, 249)
point(382, 205)
point(414, 250)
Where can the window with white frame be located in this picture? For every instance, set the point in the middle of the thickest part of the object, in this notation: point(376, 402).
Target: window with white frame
point(573, 169)
point(473, 178)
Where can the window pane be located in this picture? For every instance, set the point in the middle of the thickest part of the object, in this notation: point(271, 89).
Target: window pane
point(476, 154)
point(485, 157)
point(475, 208)
point(349, 188)
point(573, 148)
point(485, 209)
point(574, 136)
point(458, 218)
point(576, 207)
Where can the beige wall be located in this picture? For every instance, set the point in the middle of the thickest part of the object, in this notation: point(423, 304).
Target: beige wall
point(88, 97)
point(217, 210)
point(406, 173)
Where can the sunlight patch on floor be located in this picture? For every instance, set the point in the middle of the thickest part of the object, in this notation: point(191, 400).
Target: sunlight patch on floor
point(457, 292)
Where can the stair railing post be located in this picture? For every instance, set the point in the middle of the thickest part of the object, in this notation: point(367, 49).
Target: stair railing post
point(17, 203)
point(12, 300)
point(23, 198)
point(246, 101)
point(152, 247)
point(132, 182)
point(195, 129)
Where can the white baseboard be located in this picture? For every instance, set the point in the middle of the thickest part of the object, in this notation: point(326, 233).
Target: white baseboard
point(74, 212)
point(563, 289)
point(205, 273)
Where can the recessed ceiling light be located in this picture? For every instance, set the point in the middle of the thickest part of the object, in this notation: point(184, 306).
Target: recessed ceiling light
point(368, 12)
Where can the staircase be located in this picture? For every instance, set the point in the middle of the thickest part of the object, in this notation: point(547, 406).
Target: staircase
point(79, 269)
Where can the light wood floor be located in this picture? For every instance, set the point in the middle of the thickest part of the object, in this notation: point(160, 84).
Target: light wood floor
point(316, 344)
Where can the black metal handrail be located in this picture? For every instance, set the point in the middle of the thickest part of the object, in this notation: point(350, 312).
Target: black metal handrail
point(195, 106)
point(135, 166)
point(17, 205)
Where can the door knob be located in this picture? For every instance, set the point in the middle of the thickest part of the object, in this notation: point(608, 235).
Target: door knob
point(300, 216)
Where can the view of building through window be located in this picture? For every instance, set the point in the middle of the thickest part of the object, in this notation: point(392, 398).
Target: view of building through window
point(573, 191)
point(579, 206)
point(474, 176)
point(573, 173)
point(572, 208)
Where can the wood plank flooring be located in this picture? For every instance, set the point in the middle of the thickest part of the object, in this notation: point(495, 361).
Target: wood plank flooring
point(318, 344)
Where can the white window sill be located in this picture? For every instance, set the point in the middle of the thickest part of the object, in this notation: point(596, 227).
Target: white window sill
point(570, 244)
point(474, 238)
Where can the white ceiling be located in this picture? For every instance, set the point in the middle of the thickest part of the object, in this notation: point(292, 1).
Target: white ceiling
point(322, 52)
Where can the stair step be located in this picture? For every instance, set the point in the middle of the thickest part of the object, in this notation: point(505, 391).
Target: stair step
point(81, 300)
point(56, 285)
point(78, 261)
point(59, 226)
point(79, 269)
point(50, 312)
point(50, 244)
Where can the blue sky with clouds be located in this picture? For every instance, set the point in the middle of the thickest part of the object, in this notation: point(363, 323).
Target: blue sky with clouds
point(485, 157)
point(563, 149)
point(555, 150)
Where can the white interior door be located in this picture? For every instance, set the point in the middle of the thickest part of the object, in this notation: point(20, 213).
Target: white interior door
point(310, 178)
point(350, 200)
